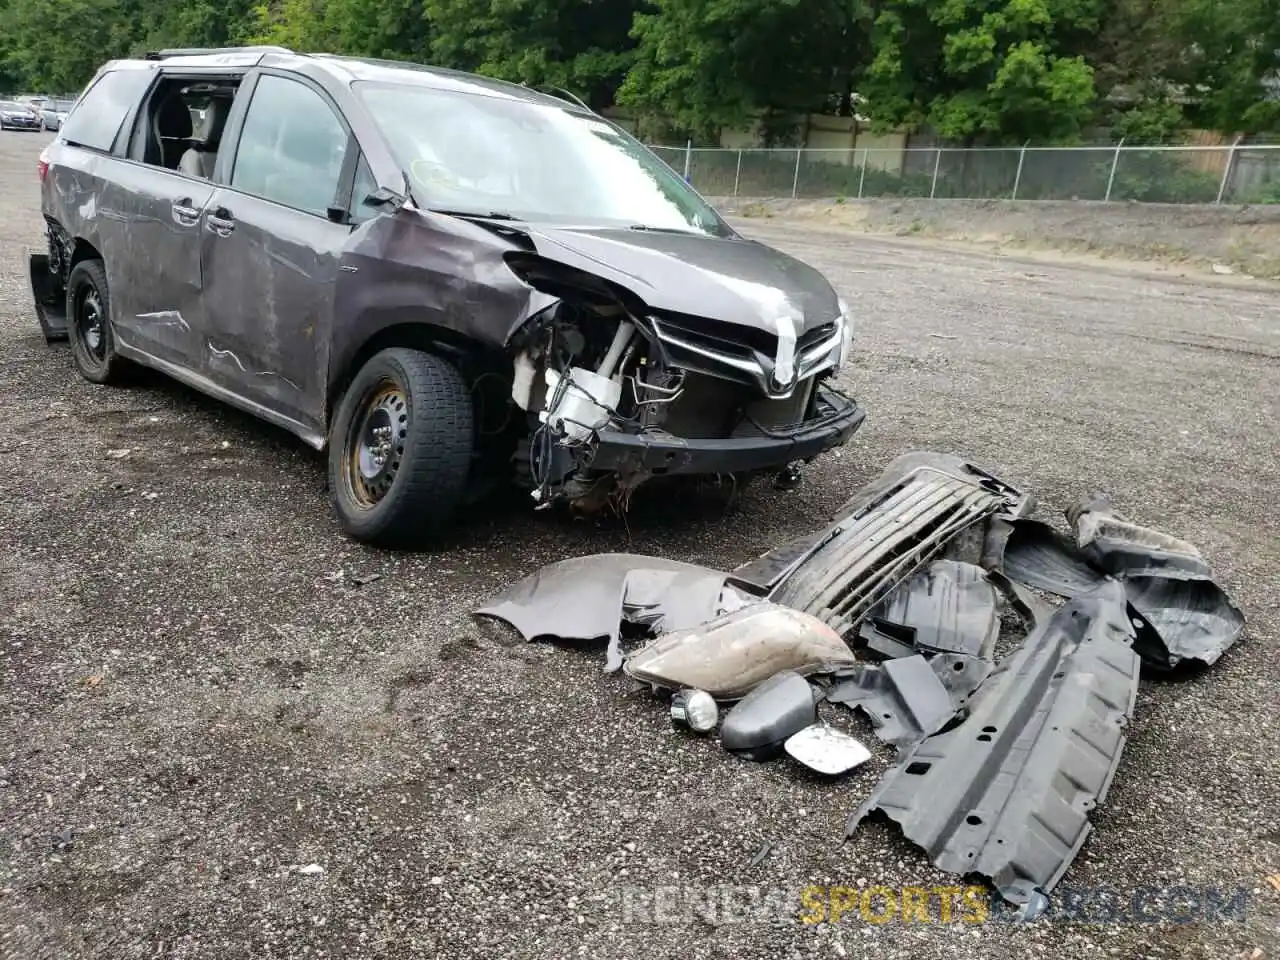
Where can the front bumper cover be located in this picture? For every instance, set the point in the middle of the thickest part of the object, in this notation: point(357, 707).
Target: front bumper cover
point(662, 454)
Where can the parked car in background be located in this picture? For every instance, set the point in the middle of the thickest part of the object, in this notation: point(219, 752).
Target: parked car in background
point(447, 280)
point(17, 116)
point(53, 113)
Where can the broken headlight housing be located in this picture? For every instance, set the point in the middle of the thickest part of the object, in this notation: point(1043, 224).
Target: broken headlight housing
point(846, 335)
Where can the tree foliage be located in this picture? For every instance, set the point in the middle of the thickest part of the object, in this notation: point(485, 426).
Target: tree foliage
point(1232, 62)
point(970, 70)
point(579, 45)
point(708, 64)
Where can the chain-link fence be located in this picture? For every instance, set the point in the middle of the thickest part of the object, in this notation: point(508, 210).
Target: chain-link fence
point(1164, 174)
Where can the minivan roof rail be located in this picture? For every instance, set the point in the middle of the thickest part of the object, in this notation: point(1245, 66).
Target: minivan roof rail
point(569, 95)
point(560, 93)
point(209, 51)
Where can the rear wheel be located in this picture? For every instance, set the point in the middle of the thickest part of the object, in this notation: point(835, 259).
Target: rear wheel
point(400, 448)
point(93, 345)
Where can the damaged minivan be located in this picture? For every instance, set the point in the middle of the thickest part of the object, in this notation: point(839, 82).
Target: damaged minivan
point(446, 280)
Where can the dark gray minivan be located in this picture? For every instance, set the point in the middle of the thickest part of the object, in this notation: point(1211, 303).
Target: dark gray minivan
point(446, 280)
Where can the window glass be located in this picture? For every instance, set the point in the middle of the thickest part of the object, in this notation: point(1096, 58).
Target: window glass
point(530, 160)
point(97, 118)
point(291, 148)
point(364, 185)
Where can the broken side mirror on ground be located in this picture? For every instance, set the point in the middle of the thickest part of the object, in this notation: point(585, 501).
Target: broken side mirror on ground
point(893, 607)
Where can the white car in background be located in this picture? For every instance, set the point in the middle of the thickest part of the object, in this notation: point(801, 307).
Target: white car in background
point(53, 113)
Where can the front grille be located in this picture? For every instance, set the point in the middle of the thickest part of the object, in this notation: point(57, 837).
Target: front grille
point(736, 339)
point(884, 543)
point(814, 337)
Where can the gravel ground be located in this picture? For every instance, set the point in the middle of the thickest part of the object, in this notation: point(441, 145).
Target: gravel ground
point(199, 700)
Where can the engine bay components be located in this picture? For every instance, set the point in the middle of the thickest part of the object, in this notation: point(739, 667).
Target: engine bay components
point(613, 397)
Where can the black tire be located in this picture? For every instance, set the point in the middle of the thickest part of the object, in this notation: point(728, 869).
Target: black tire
point(415, 410)
point(93, 345)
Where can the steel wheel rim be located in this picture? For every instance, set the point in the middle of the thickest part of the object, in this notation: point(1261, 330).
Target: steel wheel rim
point(89, 324)
point(375, 443)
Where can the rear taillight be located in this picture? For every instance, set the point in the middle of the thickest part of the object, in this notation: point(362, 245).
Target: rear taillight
point(42, 165)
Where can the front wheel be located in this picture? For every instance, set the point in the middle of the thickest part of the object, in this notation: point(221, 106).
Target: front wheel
point(400, 448)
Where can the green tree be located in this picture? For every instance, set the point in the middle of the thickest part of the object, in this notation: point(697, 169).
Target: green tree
point(389, 29)
point(707, 64)
point(1231, 66)
point(580, 45)
point(973, 70)
point(57, 45)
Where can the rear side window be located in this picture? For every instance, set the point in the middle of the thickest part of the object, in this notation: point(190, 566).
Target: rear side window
point(95, 122)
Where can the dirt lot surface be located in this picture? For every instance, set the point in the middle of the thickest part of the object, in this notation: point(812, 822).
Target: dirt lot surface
point(1190, 239)
point(199, 700)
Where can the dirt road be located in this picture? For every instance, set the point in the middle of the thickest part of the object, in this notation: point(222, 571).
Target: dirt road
point(198, 700)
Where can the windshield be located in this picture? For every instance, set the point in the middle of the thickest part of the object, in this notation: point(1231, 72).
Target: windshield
point(473, 153)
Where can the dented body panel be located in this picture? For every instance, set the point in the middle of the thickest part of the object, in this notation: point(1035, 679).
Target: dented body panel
point(268, 319)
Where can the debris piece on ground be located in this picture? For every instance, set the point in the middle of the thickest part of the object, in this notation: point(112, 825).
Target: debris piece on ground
point(999, 763)
point(760, 724)
point(903, 698)
point(732, 653)
point(887, 532)
point(1007, 792)
point(948, 607)
point(589, 598)
point(1113, 544)
point(694, 709)
point(960, 675)
point(1168, 583)
point(826, 750)
point(365, 579)
point(915, 489)
point(1039, 556)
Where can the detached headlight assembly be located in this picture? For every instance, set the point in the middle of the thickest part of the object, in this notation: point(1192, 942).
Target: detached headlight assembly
point(846, 334)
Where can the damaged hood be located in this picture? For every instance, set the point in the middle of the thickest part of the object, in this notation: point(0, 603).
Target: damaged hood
point(722, 278)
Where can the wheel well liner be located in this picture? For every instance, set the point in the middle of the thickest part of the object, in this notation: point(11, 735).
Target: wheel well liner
point(82, 250)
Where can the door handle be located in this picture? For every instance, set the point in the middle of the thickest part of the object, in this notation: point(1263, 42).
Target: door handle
point(220, 221)
point(184, 212)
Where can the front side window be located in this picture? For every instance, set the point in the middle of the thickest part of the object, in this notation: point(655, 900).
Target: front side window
point(361, 209)
point(96, 119)
point(481, 153)
point(291, 147)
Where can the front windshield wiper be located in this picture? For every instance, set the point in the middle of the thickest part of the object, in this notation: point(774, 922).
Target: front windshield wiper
point(652, 229)
point(476, 214)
